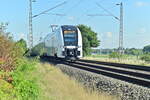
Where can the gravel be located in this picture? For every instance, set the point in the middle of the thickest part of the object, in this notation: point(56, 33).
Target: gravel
point(125, 90)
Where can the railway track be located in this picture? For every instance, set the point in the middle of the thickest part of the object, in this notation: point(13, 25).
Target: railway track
point(139, 75)
point(128, 66)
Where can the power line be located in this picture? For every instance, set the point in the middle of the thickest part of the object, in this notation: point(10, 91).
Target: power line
point(83, 14)
point(98, 15)
point(107, 11)
point(92, 15)
point(56, 14)
point(44, 12)
point(75, 5)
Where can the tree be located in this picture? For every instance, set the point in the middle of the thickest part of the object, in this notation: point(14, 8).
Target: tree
point(146, 49)
point(115, 55)
point(38, 50)
point(133, 51)
point(3, 28)
point(145, 57)
point(8, 50)
point(89, 38)
point(22, 45)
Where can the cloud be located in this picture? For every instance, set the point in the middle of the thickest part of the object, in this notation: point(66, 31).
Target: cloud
point(142, 30)
point(71, 18)
point(109, 34)
point(141, 4)
point(22, 36)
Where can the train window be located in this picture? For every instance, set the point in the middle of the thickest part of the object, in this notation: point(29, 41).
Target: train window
point(70, 38)
point(69, 31)
point(70, 35)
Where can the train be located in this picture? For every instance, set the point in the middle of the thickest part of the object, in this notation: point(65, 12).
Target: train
point(64, 42)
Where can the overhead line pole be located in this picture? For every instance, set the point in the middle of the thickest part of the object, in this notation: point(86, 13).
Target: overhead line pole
point(120, 49)
point(30, 35)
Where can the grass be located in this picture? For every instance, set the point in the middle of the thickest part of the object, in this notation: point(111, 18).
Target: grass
point(57, 86)
point(6, 91)
point(126, 60)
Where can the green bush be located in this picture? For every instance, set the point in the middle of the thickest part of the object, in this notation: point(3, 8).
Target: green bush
point(10, 51)
point(38, 50)
point(16, 81)
point(6, 91)
point(21, 45)
point(25, 85)
point(8, 55)
point(115, 55)
point(27, 90)
point(145, 57)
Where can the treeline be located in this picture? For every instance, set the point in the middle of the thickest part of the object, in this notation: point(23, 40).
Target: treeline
point(143, 54)
point(129, 51)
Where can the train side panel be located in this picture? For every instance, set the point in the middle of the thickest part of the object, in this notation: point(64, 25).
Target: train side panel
point(60, 44)
point(54, 44)
point(49, 44)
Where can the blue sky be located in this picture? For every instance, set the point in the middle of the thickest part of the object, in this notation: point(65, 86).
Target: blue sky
point(136, 19)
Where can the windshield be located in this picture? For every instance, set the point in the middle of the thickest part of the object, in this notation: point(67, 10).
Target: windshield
point(70, 38)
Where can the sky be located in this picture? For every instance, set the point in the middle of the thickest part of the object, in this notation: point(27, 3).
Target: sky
point(136, 19)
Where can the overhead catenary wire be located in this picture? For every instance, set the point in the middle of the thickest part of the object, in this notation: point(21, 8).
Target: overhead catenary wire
point(83, 14)
point(75, 5)
point(57, 14)
point(90, 16)
point(93, 15)
point(111, 14)
point(98, 15)
point(49, 9)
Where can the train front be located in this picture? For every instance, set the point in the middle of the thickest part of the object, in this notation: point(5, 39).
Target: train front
point(72, 42)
